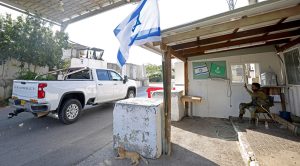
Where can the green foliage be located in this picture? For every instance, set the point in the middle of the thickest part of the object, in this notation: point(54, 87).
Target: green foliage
point(66, 64)
point(29, 75)
point(154, 73)
point(3, 102)
point(26, 75)
point(31, 40)
point(155, 78)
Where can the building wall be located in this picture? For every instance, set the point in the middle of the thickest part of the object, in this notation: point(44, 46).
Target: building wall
point(221, 98)
point(115, 67)
point(84, 62)
point(9, 71)
point(134, 72)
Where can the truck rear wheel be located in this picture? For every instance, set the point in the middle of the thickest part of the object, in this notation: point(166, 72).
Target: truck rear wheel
point(70, 111)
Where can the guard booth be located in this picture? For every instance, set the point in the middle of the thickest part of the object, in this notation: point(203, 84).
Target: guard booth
point(257, 43)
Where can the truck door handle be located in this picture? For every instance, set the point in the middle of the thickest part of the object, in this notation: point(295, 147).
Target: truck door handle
point(100, 84)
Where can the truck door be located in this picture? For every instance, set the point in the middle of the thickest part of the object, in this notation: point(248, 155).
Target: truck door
point(105, 91)
point(120, 89)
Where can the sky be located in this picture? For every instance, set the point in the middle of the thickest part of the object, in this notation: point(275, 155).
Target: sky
point(97, 31)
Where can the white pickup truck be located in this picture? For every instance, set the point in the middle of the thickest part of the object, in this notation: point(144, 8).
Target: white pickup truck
point(68, 95)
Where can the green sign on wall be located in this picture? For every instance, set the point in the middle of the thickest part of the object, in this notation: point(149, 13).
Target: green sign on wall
point(209, 69)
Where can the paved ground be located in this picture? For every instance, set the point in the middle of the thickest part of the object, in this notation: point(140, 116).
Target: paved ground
point(25, 140)
point(274, 146)
point(198, 141)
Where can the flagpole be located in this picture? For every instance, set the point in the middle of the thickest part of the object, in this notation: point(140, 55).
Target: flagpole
point(166, 67)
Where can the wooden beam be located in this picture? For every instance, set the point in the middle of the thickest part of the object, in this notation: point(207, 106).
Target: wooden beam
point(167, 72)
point(289, 45)
point(239, 42)
point(274, 15)
point(173, 52)
point(186, 84)
point(234, 32)
point(271, 28)
point(279, 22)
point(281, 41)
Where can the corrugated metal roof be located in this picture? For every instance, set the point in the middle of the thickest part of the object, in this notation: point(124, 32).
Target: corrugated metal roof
point(64, 11)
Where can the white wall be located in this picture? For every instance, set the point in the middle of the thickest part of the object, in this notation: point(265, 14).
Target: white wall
point(216, 93)
point(84, 62)
point(9, 71)
point(179, 73)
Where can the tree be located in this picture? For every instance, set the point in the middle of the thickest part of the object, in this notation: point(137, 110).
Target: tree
point(154, 73)
point(6, 34)
point(31, 40)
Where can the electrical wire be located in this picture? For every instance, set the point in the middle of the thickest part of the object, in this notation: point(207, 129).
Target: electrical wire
point(229, 92)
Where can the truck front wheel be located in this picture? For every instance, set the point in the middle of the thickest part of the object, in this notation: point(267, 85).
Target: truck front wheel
point(70, 111)
point(130, 94)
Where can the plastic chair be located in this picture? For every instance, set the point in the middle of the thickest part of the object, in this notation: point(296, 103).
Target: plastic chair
point(265, 110)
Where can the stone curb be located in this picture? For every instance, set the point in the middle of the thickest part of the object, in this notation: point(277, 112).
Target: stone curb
point(244, 146)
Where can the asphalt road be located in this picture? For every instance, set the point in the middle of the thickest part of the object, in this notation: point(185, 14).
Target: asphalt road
point(29, 141)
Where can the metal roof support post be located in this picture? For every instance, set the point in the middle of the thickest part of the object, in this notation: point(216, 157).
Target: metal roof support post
point(63, 27)
point(166, 67)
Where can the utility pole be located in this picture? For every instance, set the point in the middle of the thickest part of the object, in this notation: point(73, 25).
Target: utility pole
point(231, 4)
point(251, 2)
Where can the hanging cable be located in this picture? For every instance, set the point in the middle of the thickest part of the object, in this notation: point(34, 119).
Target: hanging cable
point(229, 92)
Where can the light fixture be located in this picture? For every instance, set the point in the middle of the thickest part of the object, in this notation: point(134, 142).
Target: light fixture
point(61, 6)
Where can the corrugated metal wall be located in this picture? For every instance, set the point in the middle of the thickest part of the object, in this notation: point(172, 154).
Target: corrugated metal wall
point(294, 100)
point(293, 91)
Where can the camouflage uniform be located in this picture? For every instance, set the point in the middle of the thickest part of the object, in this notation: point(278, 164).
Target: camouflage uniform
point(259, 98)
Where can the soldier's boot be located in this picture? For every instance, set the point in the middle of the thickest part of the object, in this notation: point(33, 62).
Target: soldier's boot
point(241, 118)
point(252, 123)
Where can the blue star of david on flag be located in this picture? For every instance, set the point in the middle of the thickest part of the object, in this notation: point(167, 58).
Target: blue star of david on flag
point(140, 27)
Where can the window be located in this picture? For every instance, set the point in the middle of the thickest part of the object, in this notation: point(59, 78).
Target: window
point(85, 75)
point(252, 73)
point(237, 73)
point(292, 63)
point(115, 76)
point(245, 73)
point(102, 75)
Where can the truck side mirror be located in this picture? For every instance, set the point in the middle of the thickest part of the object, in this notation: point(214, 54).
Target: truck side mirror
point(125, 79)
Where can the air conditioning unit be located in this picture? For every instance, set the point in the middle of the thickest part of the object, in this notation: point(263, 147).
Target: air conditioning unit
point(268, 79)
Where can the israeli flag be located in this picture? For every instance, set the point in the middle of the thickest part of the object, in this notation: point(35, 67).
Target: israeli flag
point(140, 27)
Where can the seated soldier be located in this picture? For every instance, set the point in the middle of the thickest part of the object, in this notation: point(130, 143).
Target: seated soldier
point(259, 98)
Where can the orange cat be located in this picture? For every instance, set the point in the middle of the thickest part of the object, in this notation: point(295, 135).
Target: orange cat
point(134, 156)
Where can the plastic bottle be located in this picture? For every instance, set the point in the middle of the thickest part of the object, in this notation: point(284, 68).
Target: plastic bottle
point(266, 125)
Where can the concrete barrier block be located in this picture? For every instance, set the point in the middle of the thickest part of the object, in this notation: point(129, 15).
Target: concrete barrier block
point(177, 108)
point(137, 126)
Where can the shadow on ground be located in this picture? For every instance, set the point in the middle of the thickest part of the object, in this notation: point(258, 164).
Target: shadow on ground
point(194, 142)
point(208, 127)
point(273, 129)
point(180, 156)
